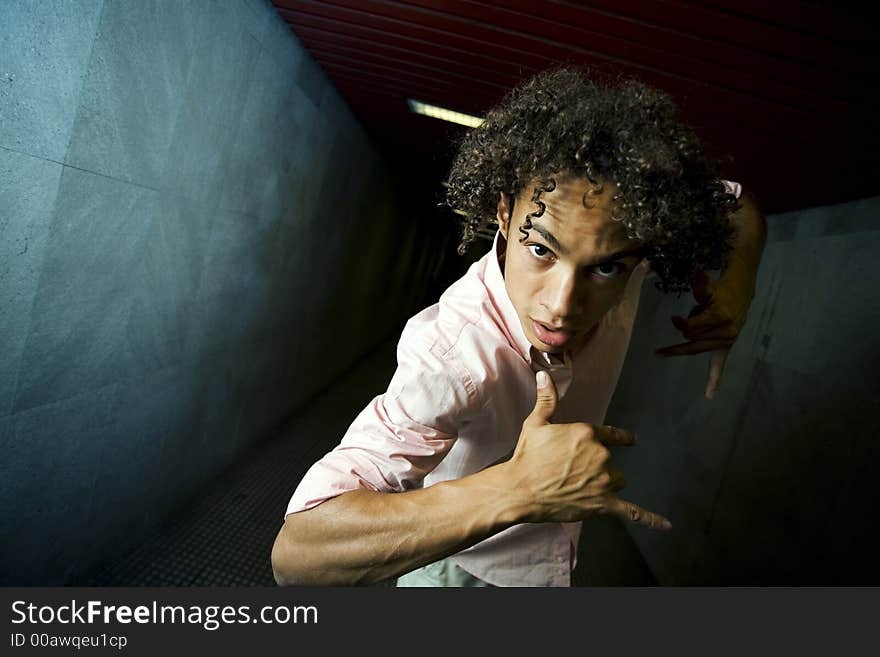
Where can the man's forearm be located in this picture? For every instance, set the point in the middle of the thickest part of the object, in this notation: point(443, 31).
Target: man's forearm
point(363, 537)
point(749, 239)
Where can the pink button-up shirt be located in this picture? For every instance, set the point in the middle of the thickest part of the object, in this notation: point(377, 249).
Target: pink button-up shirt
point(465, 382)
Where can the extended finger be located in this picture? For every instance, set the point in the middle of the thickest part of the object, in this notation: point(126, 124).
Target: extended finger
point(722, 330)
point(695, 347)
point(546, 400)
point(705, 321)
point(716, 367)
point(634, 513)
point(608, 435)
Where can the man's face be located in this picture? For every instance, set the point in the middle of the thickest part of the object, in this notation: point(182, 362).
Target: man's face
point(572, 268)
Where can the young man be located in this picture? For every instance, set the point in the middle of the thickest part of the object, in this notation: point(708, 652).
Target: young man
point(477, 465)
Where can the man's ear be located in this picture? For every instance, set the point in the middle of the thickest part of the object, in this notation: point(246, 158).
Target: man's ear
point(503, 214)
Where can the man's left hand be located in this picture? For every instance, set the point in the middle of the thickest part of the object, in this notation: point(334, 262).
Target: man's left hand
point(715, 322)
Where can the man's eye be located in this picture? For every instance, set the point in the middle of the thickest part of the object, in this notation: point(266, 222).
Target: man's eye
point(539, 251)
point(608, 269)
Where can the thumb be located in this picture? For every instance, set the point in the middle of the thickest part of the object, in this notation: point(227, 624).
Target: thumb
point(545, 403)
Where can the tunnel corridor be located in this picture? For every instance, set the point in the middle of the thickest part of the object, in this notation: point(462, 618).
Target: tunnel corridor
point(206, 260)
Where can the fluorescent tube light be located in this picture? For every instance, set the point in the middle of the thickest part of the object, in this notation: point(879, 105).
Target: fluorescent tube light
point(444, 114)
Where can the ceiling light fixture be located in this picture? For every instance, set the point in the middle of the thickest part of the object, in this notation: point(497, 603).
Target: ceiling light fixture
point(444, 114)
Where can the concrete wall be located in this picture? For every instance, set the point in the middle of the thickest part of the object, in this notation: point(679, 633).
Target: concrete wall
point(771, 481)
point(195, 237)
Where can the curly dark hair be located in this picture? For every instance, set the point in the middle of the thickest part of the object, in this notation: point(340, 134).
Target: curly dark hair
point(560, 122)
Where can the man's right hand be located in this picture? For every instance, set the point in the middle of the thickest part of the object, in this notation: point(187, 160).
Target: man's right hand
point(563, 469)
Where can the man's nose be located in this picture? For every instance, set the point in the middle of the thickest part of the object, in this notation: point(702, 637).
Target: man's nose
point(563, 299)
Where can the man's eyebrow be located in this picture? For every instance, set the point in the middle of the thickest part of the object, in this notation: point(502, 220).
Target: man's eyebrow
point(548, 236)
point(636, 251)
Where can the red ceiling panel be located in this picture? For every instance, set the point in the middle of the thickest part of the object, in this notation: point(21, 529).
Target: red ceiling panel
point(789, 91)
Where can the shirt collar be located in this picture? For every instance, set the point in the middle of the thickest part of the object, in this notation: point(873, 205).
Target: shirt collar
point(501, 300)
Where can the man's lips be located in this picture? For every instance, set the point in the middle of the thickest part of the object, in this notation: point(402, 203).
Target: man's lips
point(553, 337)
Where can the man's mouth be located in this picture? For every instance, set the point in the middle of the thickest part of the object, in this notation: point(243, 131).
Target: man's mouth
point(555, 337)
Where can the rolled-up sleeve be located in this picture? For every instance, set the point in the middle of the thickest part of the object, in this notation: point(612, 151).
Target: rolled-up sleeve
point(402, 435)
